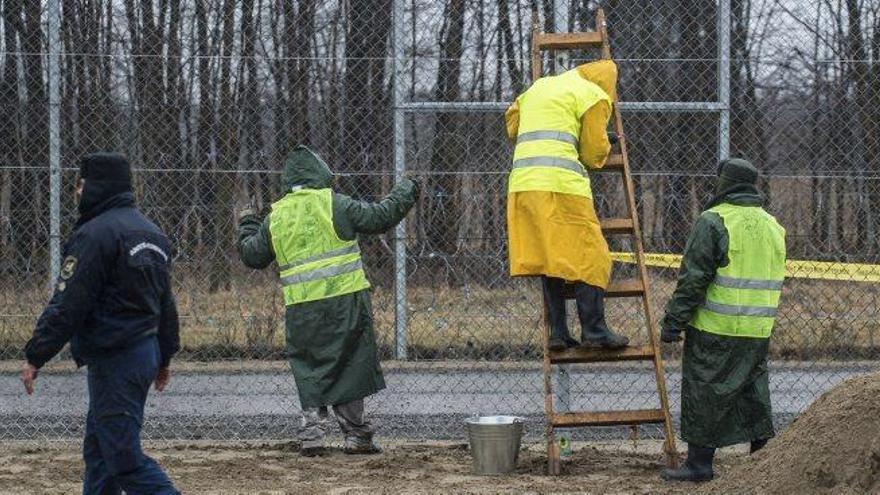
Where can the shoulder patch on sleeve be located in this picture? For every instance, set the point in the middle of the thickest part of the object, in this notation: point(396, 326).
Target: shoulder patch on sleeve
point(150, 246)
point(68, 267)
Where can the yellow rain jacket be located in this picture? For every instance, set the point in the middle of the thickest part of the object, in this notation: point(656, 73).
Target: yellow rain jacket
point(560, 128)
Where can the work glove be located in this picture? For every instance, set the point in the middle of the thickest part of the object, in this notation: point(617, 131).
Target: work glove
point(670, 336)
point(613, 138)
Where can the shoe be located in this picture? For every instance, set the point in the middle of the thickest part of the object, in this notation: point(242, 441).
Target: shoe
point(557, 343)
point(758, 445)
point(361, 446)
point(697, 467)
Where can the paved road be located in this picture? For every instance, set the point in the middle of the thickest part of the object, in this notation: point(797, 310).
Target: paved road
point(429, 403)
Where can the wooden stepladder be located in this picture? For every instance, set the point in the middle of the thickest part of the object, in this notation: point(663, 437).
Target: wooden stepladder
point(638, 287)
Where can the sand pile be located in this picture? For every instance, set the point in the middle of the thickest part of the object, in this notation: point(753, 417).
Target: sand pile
point(834, 447)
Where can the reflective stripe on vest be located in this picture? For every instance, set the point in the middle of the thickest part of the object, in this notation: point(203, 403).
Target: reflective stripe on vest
point(546, 157)
point(747, 283)
point(322, 273)
point(547, 135)
point(318, 257)
point(314, 263)
point(743, 298)
point(727, 309)
point(549, 161)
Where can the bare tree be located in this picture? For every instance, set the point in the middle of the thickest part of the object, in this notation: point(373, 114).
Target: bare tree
point(9, 136)
point(29, 191)
point(506, 40)
point(448, 150)
point(365, 105)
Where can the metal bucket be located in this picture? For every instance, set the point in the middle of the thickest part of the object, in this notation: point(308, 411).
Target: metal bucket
point(495, 442)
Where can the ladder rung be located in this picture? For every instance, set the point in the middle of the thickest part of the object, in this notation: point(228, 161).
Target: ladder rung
point(608, 418)
point(625, 288)
point(568, 41)
point(614, 163)
point(617, 225)
point(582, 355)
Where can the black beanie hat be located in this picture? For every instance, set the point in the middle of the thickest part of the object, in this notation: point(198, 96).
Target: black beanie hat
point(735, 171)
point(106, 167)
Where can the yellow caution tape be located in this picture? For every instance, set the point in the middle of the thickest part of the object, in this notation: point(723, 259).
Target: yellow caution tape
point(816, 270)
point(651, 259)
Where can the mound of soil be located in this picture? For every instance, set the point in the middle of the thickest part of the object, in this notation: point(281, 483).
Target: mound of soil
point(833, 447)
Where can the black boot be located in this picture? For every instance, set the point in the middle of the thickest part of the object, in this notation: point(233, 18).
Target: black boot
point(697, 467)
point(758, 445)
point(554, 301)
point(591, 312)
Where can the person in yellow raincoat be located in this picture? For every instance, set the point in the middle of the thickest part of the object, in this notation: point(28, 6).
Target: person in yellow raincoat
point(559, 126)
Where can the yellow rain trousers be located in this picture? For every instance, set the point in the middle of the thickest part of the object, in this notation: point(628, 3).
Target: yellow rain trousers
point(558, 234)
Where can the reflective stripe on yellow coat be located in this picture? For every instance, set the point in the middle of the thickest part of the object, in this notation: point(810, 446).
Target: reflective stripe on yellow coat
point(556, 233)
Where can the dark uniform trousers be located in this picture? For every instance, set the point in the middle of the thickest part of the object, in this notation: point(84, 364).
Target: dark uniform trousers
point(118, 387)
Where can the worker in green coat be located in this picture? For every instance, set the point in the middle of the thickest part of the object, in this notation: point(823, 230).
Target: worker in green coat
point(725, 303)
point(311, 233)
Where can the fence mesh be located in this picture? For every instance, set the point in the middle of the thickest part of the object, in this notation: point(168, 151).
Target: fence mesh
point(207, 97)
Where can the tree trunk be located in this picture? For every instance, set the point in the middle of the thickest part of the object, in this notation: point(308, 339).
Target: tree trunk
point(367, 148)
point(859, 76)
point(223, 180)
point(449, 148)
point(747, 116)
point(299, 69)
point(506, 40)
point(30, 193)
point(10, 147)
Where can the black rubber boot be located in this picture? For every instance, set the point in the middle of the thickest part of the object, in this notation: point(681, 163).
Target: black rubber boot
point(697, 467)
point(591, 313)
point(554, 301)
point(758, 445)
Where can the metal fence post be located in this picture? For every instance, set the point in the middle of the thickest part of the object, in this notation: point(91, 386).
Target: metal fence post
point(398, 88)
point(54, 22)
point(724, 79)
point(563, 371)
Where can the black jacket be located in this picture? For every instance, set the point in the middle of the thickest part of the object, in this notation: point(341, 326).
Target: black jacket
point(114, 288)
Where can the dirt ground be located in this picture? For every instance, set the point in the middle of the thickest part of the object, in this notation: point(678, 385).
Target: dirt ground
point(403, 468)
point(833, 448)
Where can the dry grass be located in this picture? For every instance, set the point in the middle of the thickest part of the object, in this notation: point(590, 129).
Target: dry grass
point(818, 319)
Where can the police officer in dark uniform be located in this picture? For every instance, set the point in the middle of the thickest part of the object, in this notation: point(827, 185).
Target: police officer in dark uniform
point(113, 302)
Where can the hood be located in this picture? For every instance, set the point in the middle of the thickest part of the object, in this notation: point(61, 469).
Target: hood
point(304, 168)
point(602, 73)
point(106, 175)
point(735, 171)
point(736, 184)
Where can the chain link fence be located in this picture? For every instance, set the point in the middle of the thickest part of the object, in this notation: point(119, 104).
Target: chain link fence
point(207, 97)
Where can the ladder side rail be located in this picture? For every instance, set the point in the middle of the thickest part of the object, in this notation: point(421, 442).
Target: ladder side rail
point(638, 244)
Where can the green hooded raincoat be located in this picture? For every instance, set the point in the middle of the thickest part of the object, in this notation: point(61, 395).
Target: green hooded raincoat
point(725, 393)
point(330, 343)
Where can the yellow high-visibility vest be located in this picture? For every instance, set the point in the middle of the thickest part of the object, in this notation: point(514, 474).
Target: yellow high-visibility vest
point(314, 263)
point(743, 298)
point(546, 153)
